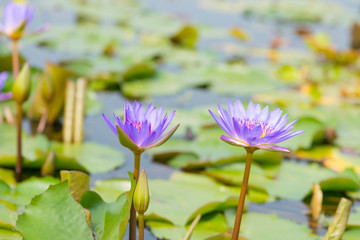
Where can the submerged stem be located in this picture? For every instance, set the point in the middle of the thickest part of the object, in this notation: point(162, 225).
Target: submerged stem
point(132, 235)
point(141, 226)
point(18, 167)
point(15, 58)
point(244, 185)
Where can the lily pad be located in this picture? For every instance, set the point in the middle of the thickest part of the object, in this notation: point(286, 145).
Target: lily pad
point(92, 157)
point(272, 227)
point(111, 189)
point(109, 220)
point(352, 234)
point(63, 217)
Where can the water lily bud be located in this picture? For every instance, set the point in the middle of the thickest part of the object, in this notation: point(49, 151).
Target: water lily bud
point(21, 87)
point(141, 197)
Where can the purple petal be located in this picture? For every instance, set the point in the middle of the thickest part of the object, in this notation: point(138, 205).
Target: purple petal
point(148, 140)
point(273, 148)
point(233, 141)
point(274, 116)
point(224, 116)
point(257, 131)
point(239, 109)
point(29, 15)
point(5, 96)
point(167, 120)
point(237, 129)
point(231, 109)
point(40, 30)
point(3, 78)
point(264, 114)
point(250, 111)
point(15, 14)
point(257, 110)
point(110, 124)
point(164, 138)
point(144, 132)
point(287, 136)
point(221, 124)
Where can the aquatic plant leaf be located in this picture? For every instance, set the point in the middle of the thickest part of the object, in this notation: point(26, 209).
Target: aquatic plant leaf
point(111, 189)
point(10, 235)
point(210, 224)
point(186, 37)
point(352, 234)
point(273, 227)
point(79, 183)
point(109, 220)
point(93, 157)
point(56, 209)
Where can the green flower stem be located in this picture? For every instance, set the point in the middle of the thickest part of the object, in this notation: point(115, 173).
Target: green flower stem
point(15, 58)
point(141, 226)
point(240, 208)
point(18, 167)
point(132, 235)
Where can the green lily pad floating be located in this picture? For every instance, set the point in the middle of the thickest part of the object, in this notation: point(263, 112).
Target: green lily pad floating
point(305, 11)
point(7, 176)
point(82, 40)
point(34, 148)
point(284, 10)
point(209, 225)
point(8, 214)
point(109, 220)
point(345, 181)
point(232, 174)
point(139, 71)
point(164, 84)
point(10, 235)
point(105, 10)
point(272, 227)
point(26, 190)
point(63, 217)
point(234, 79)
point(352, 234)
point(189, 59)
point(294, 180)
point(177, 199)
point(215, 224)
point(186, 37)
point(111, 189)
point(15, 198)
point(92, 157)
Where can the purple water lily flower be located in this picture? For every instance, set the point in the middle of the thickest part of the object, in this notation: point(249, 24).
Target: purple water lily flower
point(7, 95)
point(255, 127)
point(141, 129)
point(16, 18)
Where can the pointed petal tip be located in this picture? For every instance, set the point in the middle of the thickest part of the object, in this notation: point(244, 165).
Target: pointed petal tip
point(165, 137)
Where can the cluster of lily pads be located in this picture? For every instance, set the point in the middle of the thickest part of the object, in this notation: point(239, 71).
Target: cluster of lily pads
point(129, 49)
